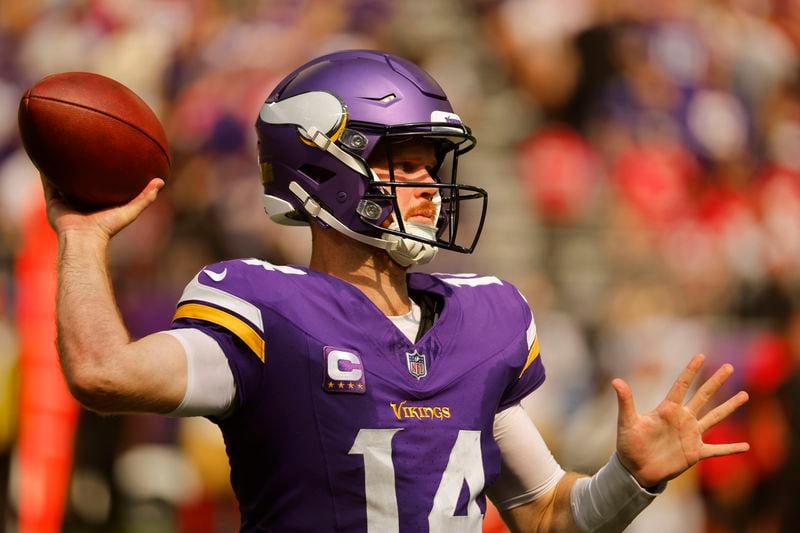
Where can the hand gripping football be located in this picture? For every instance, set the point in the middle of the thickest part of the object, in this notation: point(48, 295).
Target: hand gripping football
point(93, 138)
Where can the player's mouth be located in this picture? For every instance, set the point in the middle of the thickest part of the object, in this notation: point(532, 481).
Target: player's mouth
point(424, 214)
point(418, 219)
point(422, 219)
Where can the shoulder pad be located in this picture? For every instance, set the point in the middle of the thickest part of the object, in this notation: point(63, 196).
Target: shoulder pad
point(218, 295)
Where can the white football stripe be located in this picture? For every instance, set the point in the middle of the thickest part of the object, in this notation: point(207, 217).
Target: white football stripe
point(196, 291)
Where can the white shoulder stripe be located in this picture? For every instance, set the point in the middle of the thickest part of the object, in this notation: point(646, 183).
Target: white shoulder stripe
point(270, 267)
point(472, 282)
point(196, 291)
point(531, 333)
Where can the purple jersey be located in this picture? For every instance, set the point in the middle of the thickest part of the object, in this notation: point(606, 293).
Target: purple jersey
point(341, 423)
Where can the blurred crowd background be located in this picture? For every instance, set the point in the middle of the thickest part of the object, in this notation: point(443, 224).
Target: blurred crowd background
point(643, 165)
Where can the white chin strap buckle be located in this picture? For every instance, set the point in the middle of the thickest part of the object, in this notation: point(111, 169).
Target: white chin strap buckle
point(408, 251)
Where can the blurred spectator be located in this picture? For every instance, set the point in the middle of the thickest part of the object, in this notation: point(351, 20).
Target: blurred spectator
point(789, 397)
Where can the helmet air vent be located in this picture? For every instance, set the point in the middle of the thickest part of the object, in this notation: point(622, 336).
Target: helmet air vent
point(382, 99)
point(318, 174)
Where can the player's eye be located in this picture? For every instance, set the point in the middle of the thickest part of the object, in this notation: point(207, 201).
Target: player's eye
point(433, 171)
point(410, 167)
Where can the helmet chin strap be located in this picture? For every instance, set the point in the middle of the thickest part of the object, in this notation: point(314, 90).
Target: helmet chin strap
point(403, 251)
point(326, 144)
point(408, 251)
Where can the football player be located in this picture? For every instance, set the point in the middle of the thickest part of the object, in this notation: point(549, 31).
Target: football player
point(353, 395)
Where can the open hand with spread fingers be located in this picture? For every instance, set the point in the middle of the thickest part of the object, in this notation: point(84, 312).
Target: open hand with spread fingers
point(662, 444)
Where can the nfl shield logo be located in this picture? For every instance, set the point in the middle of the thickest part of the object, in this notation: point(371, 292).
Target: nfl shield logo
point(417, 366)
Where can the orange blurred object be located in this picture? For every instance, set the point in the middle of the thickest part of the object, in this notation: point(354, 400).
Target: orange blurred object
point(492, 522)
point(48, 413)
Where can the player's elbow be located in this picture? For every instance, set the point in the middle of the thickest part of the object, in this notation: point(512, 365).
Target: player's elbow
point(93, 387)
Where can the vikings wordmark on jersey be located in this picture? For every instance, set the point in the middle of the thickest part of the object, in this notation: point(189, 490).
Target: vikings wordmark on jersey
point(341, 423)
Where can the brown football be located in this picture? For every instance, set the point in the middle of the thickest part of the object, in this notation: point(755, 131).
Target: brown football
point(93, 138)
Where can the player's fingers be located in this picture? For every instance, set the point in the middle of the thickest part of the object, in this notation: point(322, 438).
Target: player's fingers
point(49, 191)
point(684, 381)
point(721, 412)
point(153, 186)
point(720, 450)
point(627, 407)
point(144, 198)
point(117, 218)
point(54, 202)
point(709, 389)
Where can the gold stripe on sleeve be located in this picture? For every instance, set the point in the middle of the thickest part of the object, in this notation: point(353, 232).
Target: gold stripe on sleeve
point(532, 355)
point(228, 321)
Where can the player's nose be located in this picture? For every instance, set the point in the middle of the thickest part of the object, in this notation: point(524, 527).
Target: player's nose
point(425, 188)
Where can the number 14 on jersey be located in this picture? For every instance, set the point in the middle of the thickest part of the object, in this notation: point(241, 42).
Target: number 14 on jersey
point(464, 464)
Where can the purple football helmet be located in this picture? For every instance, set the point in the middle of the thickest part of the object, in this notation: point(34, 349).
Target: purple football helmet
point(321, 124)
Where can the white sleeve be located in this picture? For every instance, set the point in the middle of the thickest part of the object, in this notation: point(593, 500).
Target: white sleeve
point(610, 499)
point(528, 469)
point(210, 389)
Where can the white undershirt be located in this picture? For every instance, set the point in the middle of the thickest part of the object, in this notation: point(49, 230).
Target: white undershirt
point(528, 471)
point(409, 322)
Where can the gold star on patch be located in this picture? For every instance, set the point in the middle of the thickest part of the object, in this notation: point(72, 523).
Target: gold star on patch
point(350, 386)
point(341, 385)
point(330, 384)
point(360, 386)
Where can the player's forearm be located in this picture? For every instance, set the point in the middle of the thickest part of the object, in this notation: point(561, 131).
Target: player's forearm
point(603, 503)
point(550, 513)
point(90, 330)
point(557, 515)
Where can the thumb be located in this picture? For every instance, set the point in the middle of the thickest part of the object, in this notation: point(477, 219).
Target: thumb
point(627, 409)
point(121, 216)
